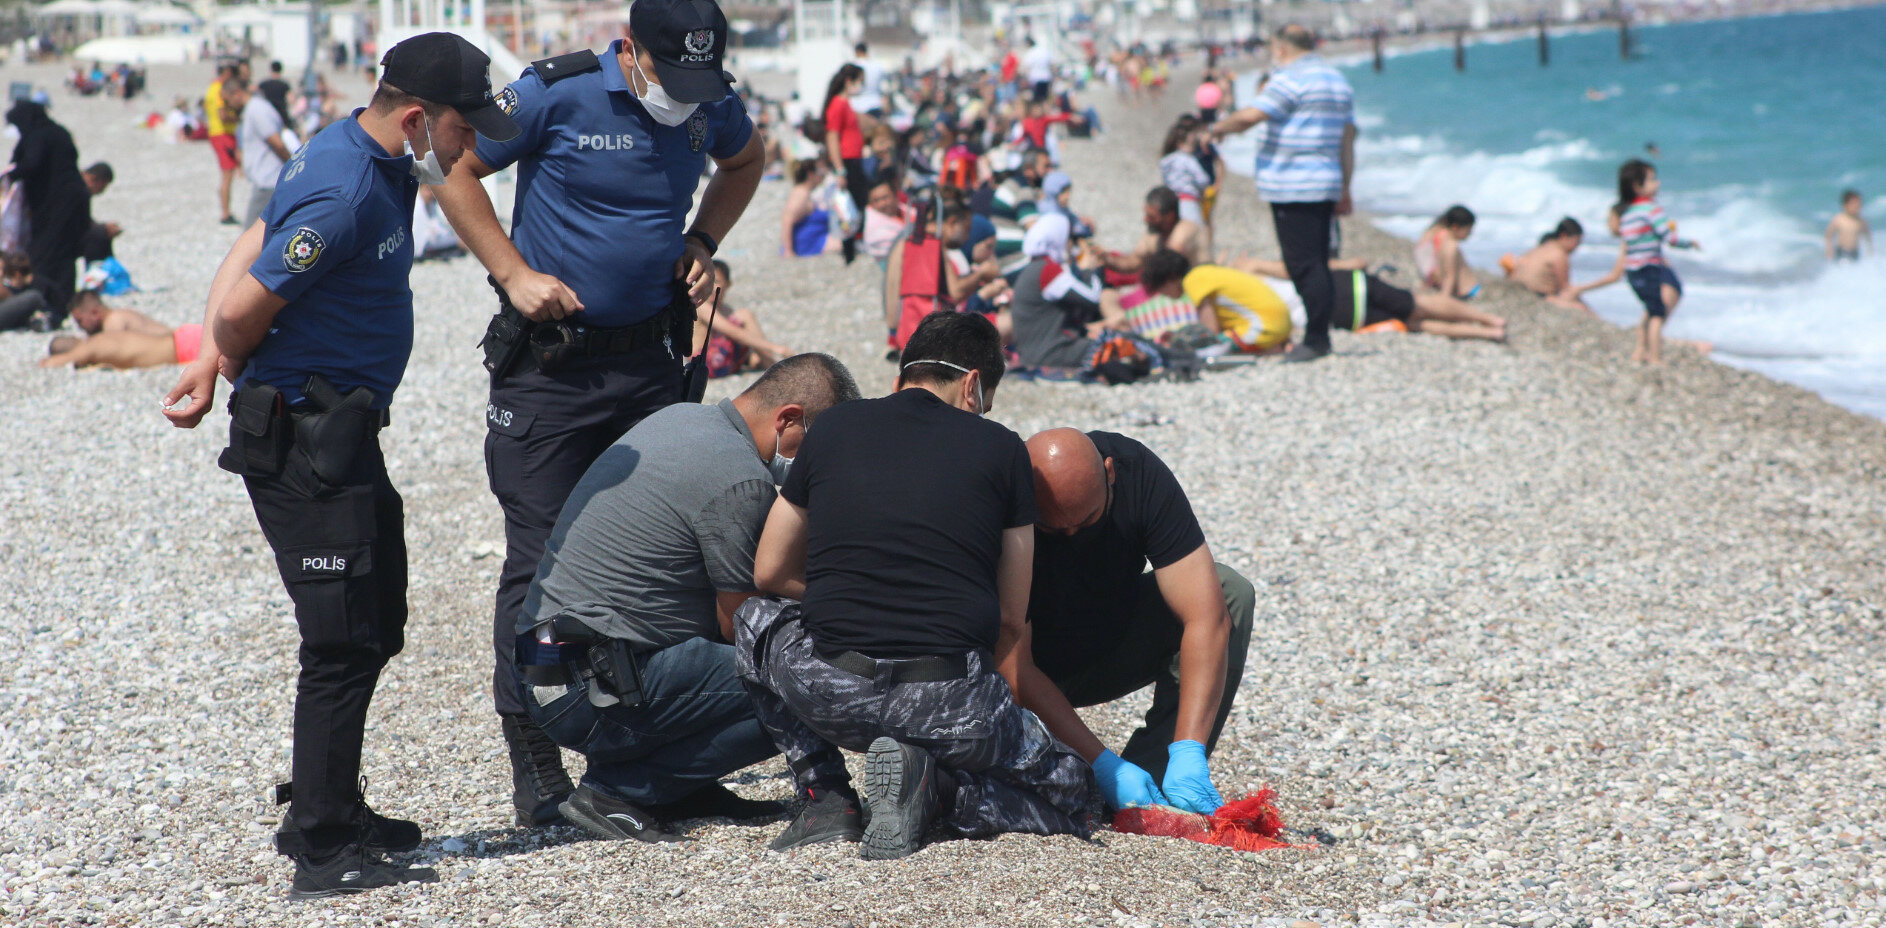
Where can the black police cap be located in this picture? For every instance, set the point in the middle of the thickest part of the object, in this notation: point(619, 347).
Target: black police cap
point(688, 40)
point(441, 67)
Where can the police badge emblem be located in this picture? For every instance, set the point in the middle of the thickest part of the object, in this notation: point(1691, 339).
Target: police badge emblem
point(303, 250)
point(507, 101)
point(697, 130)
point(699, 42)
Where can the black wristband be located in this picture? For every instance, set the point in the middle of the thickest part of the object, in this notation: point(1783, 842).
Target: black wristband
point(707, 241)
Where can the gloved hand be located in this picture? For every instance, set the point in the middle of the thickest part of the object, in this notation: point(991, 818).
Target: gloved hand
point(1125, 785)
point(1188, 779)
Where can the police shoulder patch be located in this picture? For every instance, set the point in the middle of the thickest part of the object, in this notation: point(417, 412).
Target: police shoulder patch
point(507, 101)
point(303, 250)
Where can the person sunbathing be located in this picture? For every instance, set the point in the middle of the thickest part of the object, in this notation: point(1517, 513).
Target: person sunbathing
point(1364, 303)
point(121, 338)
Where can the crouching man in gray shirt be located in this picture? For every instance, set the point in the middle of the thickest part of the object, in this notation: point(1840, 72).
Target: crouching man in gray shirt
point(622, 648)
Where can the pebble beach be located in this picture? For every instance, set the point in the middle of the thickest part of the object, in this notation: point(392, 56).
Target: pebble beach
point(1542, 638)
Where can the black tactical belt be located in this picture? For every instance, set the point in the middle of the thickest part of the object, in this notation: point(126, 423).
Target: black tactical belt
point(936, 668)
point(596, 340)
point(548, 675)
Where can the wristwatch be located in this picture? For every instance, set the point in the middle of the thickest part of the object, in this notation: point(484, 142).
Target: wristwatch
point(707, 241)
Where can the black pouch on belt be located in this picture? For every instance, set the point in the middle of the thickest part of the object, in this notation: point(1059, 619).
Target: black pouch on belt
point(552, 344)
point(258, 432)
point(332, 436)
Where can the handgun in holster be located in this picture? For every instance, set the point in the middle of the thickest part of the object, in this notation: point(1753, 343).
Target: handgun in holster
point(332, 435)
point(608, 664)
point(507, 337)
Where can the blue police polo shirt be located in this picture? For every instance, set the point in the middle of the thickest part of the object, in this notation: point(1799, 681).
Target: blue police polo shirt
point(603, 189)
point(340, 252)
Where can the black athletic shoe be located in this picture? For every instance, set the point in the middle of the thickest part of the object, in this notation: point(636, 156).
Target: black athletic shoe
point(539, 784)
point(610, 818)
point(900, 787)
point(717, 801)
point(379, 834)
point(1299, 354)
point(826, 815)
point(353, 870)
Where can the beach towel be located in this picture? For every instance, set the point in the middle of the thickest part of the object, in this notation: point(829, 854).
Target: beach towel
point(1249, 824)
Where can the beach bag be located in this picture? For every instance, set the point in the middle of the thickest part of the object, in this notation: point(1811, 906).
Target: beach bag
point(107, 277)
point(1119, 360)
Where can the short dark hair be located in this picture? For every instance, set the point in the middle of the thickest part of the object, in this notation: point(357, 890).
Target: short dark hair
point(275, 67)
point(967, 340)
point(860, 49)
point(1456, 217)
point(102, 171)
point(87, 298)
point(1163, 200)
point(1163, 267)
point(813, 380)
point(725, 271)
point(387, 98)
point(1848, 196)
point(1297, 36)
point(15, 263)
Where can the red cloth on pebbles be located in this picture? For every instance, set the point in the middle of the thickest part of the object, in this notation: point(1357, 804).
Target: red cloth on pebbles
point(1249, 824)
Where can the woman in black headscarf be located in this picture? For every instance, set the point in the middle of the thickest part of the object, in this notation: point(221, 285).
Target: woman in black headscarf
point(46, 164)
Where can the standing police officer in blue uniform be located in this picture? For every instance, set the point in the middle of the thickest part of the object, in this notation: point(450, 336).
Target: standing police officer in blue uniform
point(311, 317)
point(597, 284)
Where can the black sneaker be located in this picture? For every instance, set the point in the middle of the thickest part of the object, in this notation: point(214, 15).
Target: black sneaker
point(379, 834)
point(539, 784)
point(717, 801)
point(827, 815)
point(1299, 354)
point(614, 819)
point(900, 787)
point(353, 870)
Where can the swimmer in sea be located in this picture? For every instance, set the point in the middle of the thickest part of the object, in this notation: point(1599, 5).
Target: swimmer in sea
point(1848, 230)
point(1547, 269)
point(1437, 255)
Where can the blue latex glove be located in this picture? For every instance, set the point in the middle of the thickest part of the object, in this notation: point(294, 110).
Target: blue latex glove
point(1188, 779)
point(1124, 784)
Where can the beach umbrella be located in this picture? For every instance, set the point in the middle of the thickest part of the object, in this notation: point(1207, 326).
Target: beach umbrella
point(164, 14)
point(69, 8)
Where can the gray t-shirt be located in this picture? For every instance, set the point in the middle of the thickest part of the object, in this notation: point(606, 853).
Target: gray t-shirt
point(668, 516)
point(260, 122)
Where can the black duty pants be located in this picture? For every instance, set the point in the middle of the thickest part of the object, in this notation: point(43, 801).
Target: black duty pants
point(341, 551)
point(544, 430)
point(858, 185)
point(1149, 654)
point(1303, 235)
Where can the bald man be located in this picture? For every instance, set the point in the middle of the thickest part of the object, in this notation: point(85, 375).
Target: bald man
point(1103, 627)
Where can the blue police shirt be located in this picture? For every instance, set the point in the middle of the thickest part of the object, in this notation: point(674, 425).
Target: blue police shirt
point(340, 252)
point(603, 189)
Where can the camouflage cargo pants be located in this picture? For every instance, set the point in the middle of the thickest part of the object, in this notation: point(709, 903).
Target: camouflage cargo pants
point(1004, 771)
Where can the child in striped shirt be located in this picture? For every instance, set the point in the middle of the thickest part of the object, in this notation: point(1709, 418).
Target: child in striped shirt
point(1645, 230)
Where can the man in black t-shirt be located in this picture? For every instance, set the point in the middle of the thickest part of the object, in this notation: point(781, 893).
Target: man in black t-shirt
point(1104, 628)
point(906, 527)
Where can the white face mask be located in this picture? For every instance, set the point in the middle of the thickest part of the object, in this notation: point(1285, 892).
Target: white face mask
point(667, 110)
point(982, 407)
point(428, 169)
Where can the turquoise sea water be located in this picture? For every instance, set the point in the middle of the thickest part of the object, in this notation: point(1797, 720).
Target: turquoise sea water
point(1759, 124)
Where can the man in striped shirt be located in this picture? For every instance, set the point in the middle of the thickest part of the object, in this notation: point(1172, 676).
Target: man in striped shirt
point(1304, 163)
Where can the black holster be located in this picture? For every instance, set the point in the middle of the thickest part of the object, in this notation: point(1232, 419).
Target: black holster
point(259, 436)
point(506, 337)
point(331, 436)
point(609, 664)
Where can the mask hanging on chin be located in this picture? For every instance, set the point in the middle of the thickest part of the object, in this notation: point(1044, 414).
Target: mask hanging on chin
point(428, 169)
point(665, 109)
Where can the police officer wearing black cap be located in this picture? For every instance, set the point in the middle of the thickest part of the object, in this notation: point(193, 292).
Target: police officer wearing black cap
point(597, 284)
point(311, 318)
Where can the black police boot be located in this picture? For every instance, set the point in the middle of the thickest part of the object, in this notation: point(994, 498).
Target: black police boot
point(351, 870)
point(716, 801)
point(379, 834)
point(539, 783)
point(824, 815)
point(900, 786)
